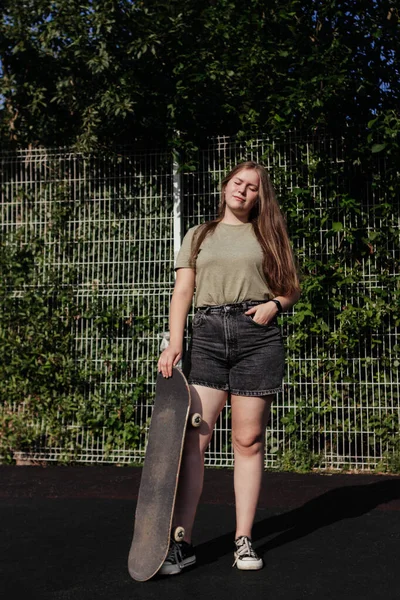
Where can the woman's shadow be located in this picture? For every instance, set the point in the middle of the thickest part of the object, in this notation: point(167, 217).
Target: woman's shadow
point(335, 505)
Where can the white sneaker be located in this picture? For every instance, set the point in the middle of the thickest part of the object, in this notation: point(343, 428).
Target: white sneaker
point(245, 557)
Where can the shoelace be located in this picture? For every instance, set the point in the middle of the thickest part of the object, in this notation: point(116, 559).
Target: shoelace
point(243, 548)
point(174, 554)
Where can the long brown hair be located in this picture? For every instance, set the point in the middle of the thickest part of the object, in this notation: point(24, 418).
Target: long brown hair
point(270, 229)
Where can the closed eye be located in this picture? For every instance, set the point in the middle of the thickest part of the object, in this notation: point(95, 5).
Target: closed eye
point(252, 187)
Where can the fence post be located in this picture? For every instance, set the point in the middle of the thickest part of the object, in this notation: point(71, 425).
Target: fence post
point(177, 218)
point(177, 203)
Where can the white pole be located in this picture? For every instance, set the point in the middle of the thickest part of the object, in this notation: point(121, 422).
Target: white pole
point(177, 219)
point(177, 206)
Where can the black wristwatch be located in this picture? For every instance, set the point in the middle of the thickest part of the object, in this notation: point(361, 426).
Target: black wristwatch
point(278, 304)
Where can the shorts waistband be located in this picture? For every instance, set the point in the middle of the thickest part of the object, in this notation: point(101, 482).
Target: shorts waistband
point(238, 307)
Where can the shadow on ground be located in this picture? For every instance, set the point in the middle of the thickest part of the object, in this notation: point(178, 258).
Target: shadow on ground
point(331, 507)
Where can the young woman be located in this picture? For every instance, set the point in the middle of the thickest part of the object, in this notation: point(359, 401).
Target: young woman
point(241, 266)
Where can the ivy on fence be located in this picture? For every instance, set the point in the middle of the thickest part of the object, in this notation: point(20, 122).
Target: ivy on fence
point(52, 389)
point(342, 204)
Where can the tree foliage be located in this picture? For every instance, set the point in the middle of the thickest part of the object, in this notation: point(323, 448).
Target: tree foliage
point(95, 72)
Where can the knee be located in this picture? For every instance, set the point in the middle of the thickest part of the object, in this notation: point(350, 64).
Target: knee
point(248, 443)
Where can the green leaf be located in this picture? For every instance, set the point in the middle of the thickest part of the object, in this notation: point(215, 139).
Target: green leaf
point(378, 148)
point(337, 226)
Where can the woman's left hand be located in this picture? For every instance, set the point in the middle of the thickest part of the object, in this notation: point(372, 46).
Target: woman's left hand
point(263, 313)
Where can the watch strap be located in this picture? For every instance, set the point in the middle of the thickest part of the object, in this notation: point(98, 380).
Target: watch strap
point(278, 304)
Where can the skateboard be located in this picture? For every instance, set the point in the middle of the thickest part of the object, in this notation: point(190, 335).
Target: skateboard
point(160, 475)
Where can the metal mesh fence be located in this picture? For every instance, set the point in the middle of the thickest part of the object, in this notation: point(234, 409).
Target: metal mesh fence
point(120, 222)
point(338, 407)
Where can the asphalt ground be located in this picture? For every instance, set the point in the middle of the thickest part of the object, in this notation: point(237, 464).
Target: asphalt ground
point(65, 534)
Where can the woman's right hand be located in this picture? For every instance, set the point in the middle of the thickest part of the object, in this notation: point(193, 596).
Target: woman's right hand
point(168, 359)
point(180, 304)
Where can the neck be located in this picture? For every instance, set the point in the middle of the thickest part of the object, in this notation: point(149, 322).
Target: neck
point(231, 218)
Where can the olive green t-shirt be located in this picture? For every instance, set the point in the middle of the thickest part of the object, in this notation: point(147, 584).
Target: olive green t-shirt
point(229, 266)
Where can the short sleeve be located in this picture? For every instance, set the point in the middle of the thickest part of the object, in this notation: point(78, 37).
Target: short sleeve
point(183, 258)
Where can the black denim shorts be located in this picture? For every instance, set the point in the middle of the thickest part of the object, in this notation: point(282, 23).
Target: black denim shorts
point(229, 351)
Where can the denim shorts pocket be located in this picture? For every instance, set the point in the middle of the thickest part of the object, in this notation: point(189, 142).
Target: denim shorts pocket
point(198, 319)
point(250, 318)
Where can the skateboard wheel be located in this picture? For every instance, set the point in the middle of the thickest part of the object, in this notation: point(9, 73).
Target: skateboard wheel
point(179, 534)
point(196, 420)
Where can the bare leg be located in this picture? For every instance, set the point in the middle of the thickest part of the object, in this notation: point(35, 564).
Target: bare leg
point(249, 419)
point(209, 403)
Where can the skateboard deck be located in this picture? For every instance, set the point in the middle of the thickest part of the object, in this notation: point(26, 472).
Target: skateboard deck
point(160, 474)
